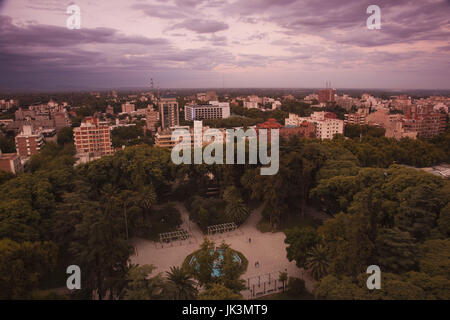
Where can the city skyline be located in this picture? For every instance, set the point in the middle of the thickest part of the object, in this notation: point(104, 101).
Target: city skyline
point(201, 43)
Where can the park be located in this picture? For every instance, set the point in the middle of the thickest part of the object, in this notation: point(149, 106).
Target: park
point(265, 252)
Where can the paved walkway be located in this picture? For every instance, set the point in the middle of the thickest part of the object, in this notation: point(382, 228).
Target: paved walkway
point(268, 249)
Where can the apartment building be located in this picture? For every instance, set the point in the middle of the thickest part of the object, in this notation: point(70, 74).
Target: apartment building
point(152, 118)
point(213, 110)
point(10, 162)
point(93, 138)
point(326, 95)
point(168, 111)
point(128, 107)
point(29, 141)
point(358, 117)
point(326, 123)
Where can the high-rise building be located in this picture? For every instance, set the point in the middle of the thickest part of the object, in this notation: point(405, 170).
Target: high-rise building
point(93, 138)
point(168, 111)
point(152, 118)
point(326, 95)
point(29, 141)
point(213, 110)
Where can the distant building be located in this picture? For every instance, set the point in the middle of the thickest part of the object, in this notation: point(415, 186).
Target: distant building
point(326, 123)
point(10, 162)
point(276, 105)
point(425, 120)
point(326, 95)
point(211, 96)
point(214, 110)
point(392, 123)
point(168, 111)
point(358, 118)
point(202, 96)
point(128, 107)
point(93, 138)
point(345, 102)
point(152, 118)
point(61, 120)
point(250, 104)
point(304, 129)
point(163, 138)
point(29, 141)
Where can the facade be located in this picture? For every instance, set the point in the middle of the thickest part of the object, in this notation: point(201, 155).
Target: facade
point(250, 104)
point(10, 162)
point(393, 123)
point(358, 118)
point(305, 129)
point(168, 112)
point(128, 108)
point(93, 138)
point(213, 110)
point(29, 141)
point(152, 118)
point(425, 120)
point(61, 120)
point(163, 138)
point(326, 123)
point(326, 95)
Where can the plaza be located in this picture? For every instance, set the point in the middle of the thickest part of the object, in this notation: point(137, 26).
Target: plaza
point(266, 252)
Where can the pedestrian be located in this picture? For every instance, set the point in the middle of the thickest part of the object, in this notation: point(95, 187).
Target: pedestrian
point(249, 240)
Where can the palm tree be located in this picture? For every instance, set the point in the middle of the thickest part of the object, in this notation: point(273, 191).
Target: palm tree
point(317, 261)
point(237, 211)
point(182, 283)
point(147, 197)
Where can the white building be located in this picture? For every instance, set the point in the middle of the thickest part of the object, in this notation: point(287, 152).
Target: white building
point(327, 124)
point(250, 104)
point(213, 110)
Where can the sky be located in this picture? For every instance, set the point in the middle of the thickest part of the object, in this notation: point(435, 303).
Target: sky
point(224, 43)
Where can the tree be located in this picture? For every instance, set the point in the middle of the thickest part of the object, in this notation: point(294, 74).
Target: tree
point(444, 221)
point(101, 249)
point(65, 136)
point(349, 246)
point(334, 288)
point(230, 270)
point(317, 261)
point(396, 250)
point(205, 261)
point(283, 278)
point(435, 257)
point(22, 266)
point(296, 286)
point(236, 211)
point(300, 241)
point(182, 283)
point(219, 292)
point(141, 286)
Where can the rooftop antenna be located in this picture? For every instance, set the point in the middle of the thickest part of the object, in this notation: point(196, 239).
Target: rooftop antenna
point(152, 87)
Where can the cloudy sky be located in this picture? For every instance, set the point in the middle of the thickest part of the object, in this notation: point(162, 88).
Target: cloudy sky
point(224, 43)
